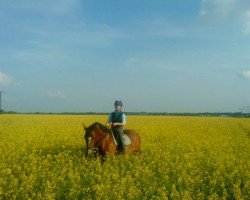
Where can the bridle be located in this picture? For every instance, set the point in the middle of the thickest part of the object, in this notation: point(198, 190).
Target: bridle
point(97, 142)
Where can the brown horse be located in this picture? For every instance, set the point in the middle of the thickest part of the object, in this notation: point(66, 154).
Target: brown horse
point(99, 138)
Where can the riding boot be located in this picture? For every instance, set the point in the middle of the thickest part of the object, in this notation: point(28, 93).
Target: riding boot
point(122, 149)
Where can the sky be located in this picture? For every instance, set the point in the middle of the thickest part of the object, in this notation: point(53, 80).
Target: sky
point(154, 55)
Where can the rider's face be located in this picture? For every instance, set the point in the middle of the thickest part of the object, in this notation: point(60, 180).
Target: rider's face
point(117, 108)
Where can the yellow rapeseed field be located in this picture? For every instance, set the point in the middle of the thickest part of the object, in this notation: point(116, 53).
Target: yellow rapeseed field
point(41, 157)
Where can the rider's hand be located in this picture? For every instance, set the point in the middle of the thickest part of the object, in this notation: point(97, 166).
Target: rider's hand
point(108, 125)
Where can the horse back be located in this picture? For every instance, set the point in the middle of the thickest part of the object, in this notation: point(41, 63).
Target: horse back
point(135, 139)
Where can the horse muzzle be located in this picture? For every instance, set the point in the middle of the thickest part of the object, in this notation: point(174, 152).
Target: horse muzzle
point(91, 145)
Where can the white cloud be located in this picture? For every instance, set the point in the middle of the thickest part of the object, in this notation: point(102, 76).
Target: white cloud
point(246, 74)
point(246, 28)
point(218, 9)
point(5, 79)
point(56, 94)
point(221, 10)
point(66, 6)
point(56, 7)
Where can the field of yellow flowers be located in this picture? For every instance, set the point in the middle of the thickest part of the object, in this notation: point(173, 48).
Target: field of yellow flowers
point(41, 157)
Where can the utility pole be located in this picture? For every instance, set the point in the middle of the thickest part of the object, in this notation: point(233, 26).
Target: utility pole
point(247, 108)
point(241, 110)
point(1, 99)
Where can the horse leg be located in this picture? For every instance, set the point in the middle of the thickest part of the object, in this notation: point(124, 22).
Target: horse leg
point(103, 159)
point(85, 151)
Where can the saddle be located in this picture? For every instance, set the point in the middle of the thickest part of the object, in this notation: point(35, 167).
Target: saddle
point(126, 139)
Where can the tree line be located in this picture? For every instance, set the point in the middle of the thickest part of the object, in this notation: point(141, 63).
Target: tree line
point(204, 114)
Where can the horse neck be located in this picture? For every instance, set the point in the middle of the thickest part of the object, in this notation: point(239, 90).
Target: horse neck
point(106, 136)
point(107, 140)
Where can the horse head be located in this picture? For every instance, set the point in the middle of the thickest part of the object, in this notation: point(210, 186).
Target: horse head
point(93, 134)
point(87, 136)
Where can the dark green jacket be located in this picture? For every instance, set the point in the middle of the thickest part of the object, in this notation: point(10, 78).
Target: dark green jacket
point(117, 117)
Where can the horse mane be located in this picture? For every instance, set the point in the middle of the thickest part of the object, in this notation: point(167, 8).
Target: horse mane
point(101, 126)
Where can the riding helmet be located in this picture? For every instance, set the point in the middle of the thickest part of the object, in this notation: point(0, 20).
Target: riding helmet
point(118, 103)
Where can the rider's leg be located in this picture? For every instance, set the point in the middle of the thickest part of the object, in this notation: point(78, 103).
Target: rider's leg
point(115, 133)
point(121, 145)
point(118, 134)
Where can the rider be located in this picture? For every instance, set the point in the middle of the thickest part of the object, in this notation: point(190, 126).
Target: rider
point(117, 120)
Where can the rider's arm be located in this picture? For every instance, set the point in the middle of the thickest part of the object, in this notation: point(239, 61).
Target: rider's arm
point(118, 124)
point(108, 123)
point(123, 121)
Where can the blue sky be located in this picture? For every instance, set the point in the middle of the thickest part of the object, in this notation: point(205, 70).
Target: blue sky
point(156, 56)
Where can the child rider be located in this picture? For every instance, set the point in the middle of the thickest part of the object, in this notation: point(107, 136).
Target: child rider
point(117, 120)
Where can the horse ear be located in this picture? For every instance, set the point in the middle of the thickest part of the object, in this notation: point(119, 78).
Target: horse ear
point(98, 127)
point(85, 127)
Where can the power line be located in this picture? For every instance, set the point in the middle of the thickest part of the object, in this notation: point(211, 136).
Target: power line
point(247, 108)
point(241, 110)
point(244, 109)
